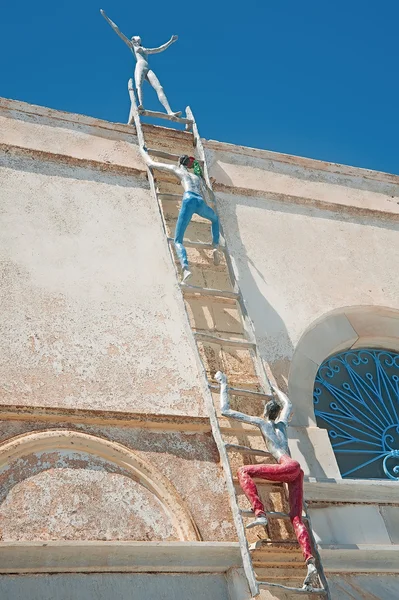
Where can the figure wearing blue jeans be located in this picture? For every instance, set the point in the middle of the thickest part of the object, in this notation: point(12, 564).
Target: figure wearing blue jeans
point(192, 203)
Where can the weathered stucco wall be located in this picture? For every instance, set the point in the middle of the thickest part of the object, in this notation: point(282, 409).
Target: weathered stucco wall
point(76, 136)
point(297, 263)
point(305, 241)
point(315, 249)
point(278, 212)
point(91, 315)
point(301, 180)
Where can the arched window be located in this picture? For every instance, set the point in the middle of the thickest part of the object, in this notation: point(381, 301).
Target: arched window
point(356, 397)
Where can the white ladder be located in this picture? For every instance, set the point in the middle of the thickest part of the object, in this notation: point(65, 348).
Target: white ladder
point(248, 343)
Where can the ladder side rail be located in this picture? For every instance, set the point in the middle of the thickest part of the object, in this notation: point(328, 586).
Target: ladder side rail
point(224, 458)
point(248, 323)
point(238, 521)
point(135, 118)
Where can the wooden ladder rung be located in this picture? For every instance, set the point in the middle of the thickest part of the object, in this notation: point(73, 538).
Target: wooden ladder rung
point(244, 392)
point(169, 197)
point(271, 515)
point(214, 339)
point(203, 245)
point(263, 546)
point(260, 481)
point(266, 543)
point(246, 450)
point(168, 155)
point(160, 115)
point(194, 289)
point(315, 591)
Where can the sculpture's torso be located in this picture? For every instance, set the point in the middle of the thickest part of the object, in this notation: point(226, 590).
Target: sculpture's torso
point(189, 181)
point(140, 55)
point(275, 436)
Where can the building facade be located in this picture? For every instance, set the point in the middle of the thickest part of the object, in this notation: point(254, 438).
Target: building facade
point(111, 480)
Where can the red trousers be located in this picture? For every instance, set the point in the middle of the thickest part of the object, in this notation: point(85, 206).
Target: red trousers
point(287, 471)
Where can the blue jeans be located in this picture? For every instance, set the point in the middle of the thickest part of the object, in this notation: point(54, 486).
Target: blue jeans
point(193, 204)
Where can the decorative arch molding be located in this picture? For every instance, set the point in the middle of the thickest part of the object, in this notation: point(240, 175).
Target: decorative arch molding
point(341, 329)
point(139, 469)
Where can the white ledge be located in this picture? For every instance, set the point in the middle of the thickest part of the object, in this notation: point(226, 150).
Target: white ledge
point(7, 104)
point(360, 558)
point(302, 161)
point(108, 557)
point(352, 491)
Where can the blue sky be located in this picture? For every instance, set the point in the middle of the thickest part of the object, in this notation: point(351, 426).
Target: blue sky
point(311, 78)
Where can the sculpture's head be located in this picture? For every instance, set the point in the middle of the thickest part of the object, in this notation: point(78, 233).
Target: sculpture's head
point(272, 410)
point(186, 161)
point(190, 163)
point(136, 40)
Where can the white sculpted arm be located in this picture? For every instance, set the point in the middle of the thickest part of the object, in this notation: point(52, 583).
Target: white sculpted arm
point(286, 405)
point(116, 29)
point(163, 47)
point(225, 403)
point(158, 165)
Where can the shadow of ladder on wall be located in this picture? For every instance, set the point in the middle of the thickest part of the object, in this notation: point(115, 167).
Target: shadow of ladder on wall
point(226, 341)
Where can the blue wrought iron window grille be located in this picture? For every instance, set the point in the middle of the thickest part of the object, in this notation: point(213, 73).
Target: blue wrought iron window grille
point(356, 397)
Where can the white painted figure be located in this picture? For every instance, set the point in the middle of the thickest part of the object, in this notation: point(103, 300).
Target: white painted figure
point(193, 202)
point(273, 427)
point(142, 71)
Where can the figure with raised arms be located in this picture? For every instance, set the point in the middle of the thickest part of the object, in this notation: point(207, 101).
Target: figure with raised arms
point(142, 71)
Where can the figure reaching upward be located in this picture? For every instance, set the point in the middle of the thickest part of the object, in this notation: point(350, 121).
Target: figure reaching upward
point(142, 70)
point(193, 202)
point(273, 427)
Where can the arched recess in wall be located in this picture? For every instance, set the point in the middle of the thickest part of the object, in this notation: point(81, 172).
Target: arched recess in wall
point(356, 397)
point(140, 470)
point(339, 330)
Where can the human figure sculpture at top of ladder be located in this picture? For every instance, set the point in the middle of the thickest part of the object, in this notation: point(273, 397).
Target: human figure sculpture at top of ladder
point(273, 427)
point(142, 70)
point(193, 202)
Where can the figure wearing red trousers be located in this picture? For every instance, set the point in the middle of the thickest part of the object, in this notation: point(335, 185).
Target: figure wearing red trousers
point(273, 427)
